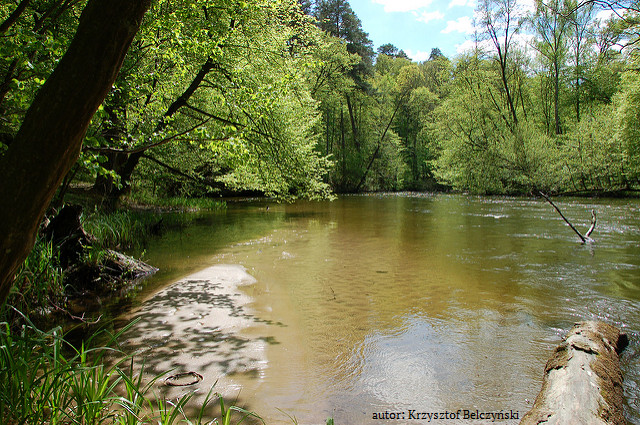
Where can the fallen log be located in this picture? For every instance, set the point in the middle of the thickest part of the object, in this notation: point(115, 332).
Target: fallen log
point(582, 380)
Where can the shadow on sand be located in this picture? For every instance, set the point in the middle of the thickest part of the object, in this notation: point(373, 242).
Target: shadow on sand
point(198, 324)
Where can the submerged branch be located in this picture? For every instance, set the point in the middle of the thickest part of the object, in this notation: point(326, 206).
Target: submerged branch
point(593, 223)
point(585, 238)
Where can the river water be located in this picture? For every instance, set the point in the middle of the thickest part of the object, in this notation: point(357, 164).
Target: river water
point(386, 303)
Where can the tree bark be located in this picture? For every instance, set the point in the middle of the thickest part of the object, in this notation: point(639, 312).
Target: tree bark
point(556, 94)
point(50, 138)
point(582, 380)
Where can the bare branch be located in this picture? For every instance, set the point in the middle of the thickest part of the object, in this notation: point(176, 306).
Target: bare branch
point(149, 146)
point(593, 224)
point(584, 239)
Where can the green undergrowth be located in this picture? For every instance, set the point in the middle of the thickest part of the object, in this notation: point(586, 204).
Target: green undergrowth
point(176, 202)
point(123, 229)
point(38, 285)
point(42, 284)
point(46, 380)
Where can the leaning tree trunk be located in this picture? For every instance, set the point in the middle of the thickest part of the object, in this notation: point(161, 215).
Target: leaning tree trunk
point(49, 140)
point(582, 380)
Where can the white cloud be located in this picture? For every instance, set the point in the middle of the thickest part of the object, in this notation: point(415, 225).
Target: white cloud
point(418, 56)
point(465, 46)
point(403, 5)
point(467, 3)
point(522, 40)
point(526, 6)
point(606, 14)
point(430, 16)
point(463, 24)
point(603, 15)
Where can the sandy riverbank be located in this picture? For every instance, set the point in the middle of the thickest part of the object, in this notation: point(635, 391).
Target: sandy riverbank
point(196, 324)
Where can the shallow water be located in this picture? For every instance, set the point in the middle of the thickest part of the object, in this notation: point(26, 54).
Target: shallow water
point(374, 304)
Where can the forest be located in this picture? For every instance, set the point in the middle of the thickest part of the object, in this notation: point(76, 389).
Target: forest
point(291, 100)
point(136, 101)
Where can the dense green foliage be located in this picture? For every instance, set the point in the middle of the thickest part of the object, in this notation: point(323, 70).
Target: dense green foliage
point(546, 100)
point(289, 99)
point(548, 114)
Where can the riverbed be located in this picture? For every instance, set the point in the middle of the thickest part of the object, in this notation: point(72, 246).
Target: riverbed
point(386, 303)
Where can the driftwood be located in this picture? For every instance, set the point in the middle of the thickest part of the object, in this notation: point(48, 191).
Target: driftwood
point(582, 380)
point(113, 273)
point(587, 236)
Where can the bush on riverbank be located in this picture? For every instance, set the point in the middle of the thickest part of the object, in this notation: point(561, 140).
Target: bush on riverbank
point(39, 282)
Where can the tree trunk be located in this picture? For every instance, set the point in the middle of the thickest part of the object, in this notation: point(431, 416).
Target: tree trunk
point(354, 127)
point(343, 148)
point(556, 95)
point(49, 140)
point(582, 380)
point(104, 184)
point(578, 79)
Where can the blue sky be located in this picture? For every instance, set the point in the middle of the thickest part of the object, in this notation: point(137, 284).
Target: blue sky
point(417, 26)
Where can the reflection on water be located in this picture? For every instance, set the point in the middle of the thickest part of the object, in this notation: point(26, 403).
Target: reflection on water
point(390, 303)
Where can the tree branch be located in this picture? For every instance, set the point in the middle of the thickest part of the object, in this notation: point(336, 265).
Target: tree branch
point(584, 239)
point(14, 16)
point(593, 223)
point(146, 147)
point(174, 170)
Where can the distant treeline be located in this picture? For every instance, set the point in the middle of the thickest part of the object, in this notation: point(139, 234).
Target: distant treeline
point(289, 99)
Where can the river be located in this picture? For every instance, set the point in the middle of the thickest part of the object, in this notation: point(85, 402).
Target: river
point(386, 303)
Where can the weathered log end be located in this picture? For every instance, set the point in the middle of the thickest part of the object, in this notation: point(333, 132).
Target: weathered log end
point(582, 380)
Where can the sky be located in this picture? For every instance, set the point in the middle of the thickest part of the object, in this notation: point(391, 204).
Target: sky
point(417, 26)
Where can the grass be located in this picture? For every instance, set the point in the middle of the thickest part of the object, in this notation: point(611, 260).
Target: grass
point(120, 229)
point(177, 202)
point(46, 380)
point(129, 229)
point(39, 281)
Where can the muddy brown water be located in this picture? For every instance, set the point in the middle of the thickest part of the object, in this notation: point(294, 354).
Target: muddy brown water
point(396, 305)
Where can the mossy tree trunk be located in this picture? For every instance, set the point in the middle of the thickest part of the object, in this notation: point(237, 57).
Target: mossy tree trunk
point(50, 138)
